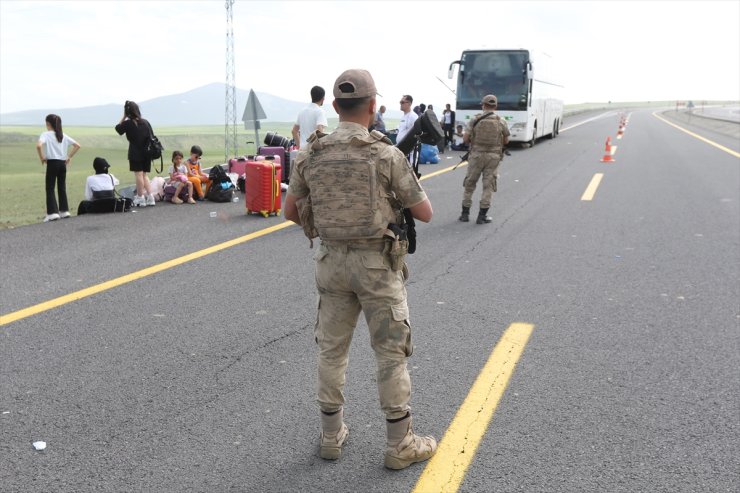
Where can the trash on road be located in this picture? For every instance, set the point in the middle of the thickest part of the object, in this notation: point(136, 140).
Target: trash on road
point(39, 445)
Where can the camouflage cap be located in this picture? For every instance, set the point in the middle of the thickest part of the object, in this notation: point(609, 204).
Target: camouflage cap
point(361, 82)
point(489, 99)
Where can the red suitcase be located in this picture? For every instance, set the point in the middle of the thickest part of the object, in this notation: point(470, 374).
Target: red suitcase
point(262, 187)
point(274, 151)
point(237, 165)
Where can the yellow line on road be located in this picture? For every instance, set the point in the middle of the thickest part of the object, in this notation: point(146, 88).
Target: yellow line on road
point(439, 172)
point(697, 136)
point(446, 470)
point(591, 188)
point(104, 286)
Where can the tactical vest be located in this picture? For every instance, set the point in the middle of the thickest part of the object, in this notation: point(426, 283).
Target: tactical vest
point(488, 135)
point(348, 200)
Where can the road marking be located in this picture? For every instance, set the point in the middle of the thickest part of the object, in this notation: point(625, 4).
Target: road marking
point(104, 286)
point(703, 139)
point(598, 117)
point(446, 470)
point(439, 172)
point(591, 188)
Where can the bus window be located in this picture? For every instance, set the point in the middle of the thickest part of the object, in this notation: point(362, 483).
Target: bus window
point(499, 73)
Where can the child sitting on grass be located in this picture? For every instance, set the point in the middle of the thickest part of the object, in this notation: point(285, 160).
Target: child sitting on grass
point(195, 174)
point(179, 178)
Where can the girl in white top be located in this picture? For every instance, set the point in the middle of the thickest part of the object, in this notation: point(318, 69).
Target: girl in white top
point(179, 177)
point(55, 149)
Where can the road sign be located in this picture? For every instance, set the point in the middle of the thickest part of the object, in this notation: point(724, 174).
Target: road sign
point(253, 113)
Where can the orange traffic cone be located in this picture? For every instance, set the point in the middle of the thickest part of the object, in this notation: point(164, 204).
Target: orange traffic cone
point(608, 152)
point(620, 132)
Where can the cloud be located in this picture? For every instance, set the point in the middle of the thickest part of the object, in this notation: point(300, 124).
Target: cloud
point(76, 53)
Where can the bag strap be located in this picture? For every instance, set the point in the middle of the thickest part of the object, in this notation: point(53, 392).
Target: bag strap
point(120, 197)
point(114, 187)
point(161, 159)
point(477, 121)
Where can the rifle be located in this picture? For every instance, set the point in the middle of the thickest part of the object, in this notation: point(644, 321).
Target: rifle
point(410, 229)
point(465, 157)
point(400, 239)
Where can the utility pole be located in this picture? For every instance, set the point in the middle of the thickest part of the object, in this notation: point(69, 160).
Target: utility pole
point(230, 142)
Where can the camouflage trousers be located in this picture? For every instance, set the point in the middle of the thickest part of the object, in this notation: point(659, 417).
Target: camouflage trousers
point(481, 163)
point(357, 278)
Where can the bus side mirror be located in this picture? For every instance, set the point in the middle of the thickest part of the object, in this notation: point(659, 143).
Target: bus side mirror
point(529, 70)
point(451, 70)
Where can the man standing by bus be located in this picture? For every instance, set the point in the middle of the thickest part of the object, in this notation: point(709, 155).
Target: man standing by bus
point(487, 134)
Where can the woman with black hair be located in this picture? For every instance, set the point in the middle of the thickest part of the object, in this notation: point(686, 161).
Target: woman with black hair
point(54, 150)
point(137, 132)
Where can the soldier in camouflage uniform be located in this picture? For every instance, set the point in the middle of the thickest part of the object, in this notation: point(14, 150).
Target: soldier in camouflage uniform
point(487, 134)
point(346, 188)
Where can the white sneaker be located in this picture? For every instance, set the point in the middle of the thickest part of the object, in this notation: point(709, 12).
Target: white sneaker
point(139, 201)
point(65, 214)
point(51, 217)
point(150, 200)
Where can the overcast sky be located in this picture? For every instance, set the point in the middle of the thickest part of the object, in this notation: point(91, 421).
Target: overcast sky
point(63, 54)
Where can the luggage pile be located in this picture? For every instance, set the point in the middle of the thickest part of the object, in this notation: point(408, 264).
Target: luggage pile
point(261, 176)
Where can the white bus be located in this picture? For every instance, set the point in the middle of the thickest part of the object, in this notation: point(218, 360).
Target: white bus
point(529, 97)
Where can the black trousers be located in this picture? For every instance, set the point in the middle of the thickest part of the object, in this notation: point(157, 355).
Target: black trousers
point(56, 175)
point(449, 130)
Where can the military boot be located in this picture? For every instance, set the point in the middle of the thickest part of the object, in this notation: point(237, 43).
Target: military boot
point(333, 435)
point(465, 216)
point(405, 448)
point(482, 217)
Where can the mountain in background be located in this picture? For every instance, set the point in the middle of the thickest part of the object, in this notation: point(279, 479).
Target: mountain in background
point(201, 106)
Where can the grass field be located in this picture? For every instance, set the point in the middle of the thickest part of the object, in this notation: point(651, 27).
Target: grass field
point(22, 195)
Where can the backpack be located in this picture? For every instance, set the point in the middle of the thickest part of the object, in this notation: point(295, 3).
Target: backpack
point(154, 148)
point(221, 188)
point(104, 202)
point(217, 175)
point(169, 192)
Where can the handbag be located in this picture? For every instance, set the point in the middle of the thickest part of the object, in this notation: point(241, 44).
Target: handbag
point(154, 148)
point(121, 204)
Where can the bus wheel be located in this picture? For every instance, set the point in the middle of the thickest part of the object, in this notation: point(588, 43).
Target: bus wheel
point(534, 136)
point(554, 132)
point(557, 127)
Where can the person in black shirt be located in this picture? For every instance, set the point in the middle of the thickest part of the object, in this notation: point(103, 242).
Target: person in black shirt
point(137, 132)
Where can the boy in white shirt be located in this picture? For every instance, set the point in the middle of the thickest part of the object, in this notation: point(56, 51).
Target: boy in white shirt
point(101, 180)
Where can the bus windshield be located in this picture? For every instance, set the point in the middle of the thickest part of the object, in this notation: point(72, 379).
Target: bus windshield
point(502, 73)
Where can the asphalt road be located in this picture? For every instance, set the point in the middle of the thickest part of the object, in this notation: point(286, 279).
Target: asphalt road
point(199, 374)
